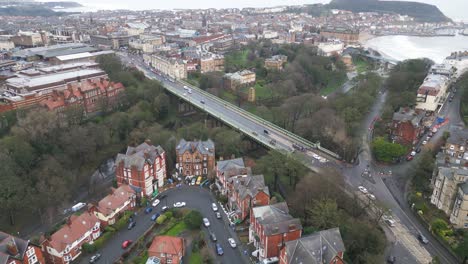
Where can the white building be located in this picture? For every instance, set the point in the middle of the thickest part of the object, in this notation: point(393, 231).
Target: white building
point(330, 48)
point(171, 67)
point(432, 93)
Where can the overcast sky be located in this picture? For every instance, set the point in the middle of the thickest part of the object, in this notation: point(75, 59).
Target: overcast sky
point(456, 9)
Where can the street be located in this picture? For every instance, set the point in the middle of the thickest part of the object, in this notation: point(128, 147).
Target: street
point(196, 198)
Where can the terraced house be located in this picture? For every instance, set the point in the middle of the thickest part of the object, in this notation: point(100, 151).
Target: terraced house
point(227, 169)
point(195, 158)
point(15, 250)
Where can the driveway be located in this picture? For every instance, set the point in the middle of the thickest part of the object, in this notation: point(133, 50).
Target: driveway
point(196, 198)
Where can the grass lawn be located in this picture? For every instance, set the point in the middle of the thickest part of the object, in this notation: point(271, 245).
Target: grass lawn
point(361, 65)
point(177, 229)
point(332, 86)
point(195, 258)
point(238, 59)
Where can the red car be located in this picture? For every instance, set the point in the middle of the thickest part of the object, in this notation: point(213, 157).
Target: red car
point(126, 243)
point(409, 158)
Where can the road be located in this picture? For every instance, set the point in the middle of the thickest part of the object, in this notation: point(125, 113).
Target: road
point(196, 198)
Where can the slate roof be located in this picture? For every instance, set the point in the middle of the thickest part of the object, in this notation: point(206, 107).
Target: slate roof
point(5, 240)
point(135, 156)
point(405, 115)
point(320, 247)
point(458, 137)
point(275, 218)
point(250, 186)
point(203, 147)
point(232, 167)
point(464, 188)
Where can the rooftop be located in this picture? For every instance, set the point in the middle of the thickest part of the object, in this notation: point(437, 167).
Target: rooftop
point(203, 147)
point(137, 156)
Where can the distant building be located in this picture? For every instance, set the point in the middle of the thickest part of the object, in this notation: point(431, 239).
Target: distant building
point(143, 168)
point(244, 193)
point(225, 169)
point(64, 245)
point(28, 39)
point(195, 158)
point(223, 45)
point(115, 204)
point(15, 250)
point(52, 51)
point(271, 226)
point(323, 247)
point(330, 48)
point(134, 28)
point(239, 79)
point(432, 93)
point(168, 249)
point(113, 41)
point(348, 36)
point(407, 126)
point(446, 186)
point(174, 68)
point(276, 62)
point(212, 63)
point(6, 43)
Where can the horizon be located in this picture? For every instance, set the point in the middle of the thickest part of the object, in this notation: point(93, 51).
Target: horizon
point(455, 10)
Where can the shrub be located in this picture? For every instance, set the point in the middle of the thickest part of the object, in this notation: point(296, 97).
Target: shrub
point(101, 241)
point(193, 220)
point(88, 248)
point(168, 214)
point(161, 219)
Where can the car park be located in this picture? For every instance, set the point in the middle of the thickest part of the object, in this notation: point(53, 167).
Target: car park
point(131, 225)
point(126, 243)
point(179, 204)
point(95, 258)
point(214, 206)
point(156, 202)
point(148, 210)
point(218, 215)
point(206, 222)
point(232, 242)
point(155, 216)
point(363, 189)
point(219, 249)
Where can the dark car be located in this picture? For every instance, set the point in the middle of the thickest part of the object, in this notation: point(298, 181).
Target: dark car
point(391, 259)
point(155, 216)
point(423, 239)
point(266, 132)
point(219, 249)
point(162, 196)
point(95, 258)
point(418, 150)
point(213, 237)
point(148, 210)
point(131, 225)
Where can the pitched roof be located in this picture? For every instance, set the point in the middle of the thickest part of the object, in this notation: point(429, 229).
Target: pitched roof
point(232, 167)
point(405, 115)
point(73, 230)
point(250, 186)
point(116, 199)
point(464, 188)
point(320, 247)
point(137, 156)
point(7, 241)
point(166, 244)
point(275, 218)
point(203, 147)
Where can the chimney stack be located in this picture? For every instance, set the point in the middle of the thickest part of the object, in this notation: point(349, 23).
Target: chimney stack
point(12, 248)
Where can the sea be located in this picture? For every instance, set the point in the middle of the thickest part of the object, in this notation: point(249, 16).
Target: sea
point(411, 47)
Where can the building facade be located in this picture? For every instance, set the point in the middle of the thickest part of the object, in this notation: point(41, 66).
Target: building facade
point(348, 36)
point(114, 205)
point(212, 63)
point(407, 126)
point(446, 187)
point(15, 250)
point(64, 246)
point(171, 67)
point(143, 168)
point(225, 169)
point(432, 93)
point(459, 215)
point(271, 226)
point(276, 62)
point(195, 158)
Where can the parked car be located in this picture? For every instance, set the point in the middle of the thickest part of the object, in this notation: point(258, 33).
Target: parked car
point(199, 180)
point(371, 196)
point(213, 237)
point(413, 153)
point(156, 202)
point(391, 259)
point(126, 243)
point(164, 208)
point(218, 215)
point(418, 150)
point(206, 222)
point(409, 158)
point(214, 206)
point(423, 239)
point(179, 204)
point(390, 222)
point(131, 225)
point(219, 249)
point(148, 210)
point(155, 216)
point(162, 196)
point(194, 180)
point(232, 242)
point(363, 189)
point(424, 142)
point(95, 258)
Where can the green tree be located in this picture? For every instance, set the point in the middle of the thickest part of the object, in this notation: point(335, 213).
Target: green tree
point(325, 214)
point(386, 151)
point(193, 220)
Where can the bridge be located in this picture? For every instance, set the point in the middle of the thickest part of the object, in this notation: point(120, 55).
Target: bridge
point(256, 128)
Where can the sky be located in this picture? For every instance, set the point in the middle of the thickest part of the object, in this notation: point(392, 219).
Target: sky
point(455, 9)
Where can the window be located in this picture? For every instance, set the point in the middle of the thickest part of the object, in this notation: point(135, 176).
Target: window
point(163, 255)
point(30, 251)
point(205, 171)
point(32, 259)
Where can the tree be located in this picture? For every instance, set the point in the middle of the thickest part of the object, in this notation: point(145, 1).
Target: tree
point(386, 151)
point(193, 220)
point(324, 214)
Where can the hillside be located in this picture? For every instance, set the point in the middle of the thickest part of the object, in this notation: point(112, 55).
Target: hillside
point(35, 8)
point(420, 11)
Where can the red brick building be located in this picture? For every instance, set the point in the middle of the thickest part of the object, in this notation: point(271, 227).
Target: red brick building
point(324, 247)
point(64, 245)
point(15, 250)
point(407, 126)
point(271, 226)
point(143, 168)
point(225, 169)
point(245, 193)
point(195, 158)
point(167, 249)
point(114, 205)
